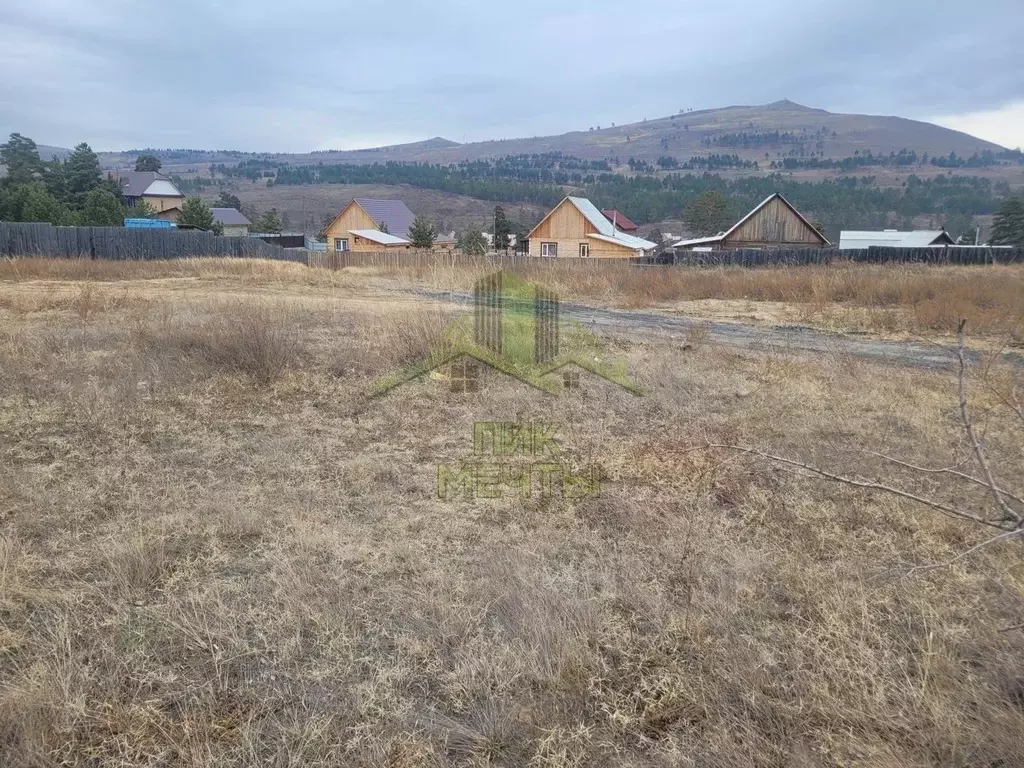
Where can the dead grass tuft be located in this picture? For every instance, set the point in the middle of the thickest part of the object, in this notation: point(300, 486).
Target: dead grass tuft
point(260, 341)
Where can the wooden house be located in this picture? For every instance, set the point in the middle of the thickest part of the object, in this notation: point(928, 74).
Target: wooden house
point(154, 188)
point(575, 228)
point(370, 225)
point(775, 223)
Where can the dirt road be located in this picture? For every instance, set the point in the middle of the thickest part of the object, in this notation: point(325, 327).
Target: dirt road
point(795, 339)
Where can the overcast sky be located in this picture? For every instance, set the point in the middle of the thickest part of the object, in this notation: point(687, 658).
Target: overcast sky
point(313, 74)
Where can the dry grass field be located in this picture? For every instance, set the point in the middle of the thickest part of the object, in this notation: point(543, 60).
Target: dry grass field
point(216, 550)
point(902, 301)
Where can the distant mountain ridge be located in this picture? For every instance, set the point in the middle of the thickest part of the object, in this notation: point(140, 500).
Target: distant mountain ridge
point(771, 129)
point(782, 128)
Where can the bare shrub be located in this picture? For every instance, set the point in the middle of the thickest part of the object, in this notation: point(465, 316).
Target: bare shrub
point(410, 336)
point(256, 340)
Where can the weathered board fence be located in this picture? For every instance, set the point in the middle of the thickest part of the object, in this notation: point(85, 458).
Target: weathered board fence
point(399, 259)
point(120, 244)
point(821, 256)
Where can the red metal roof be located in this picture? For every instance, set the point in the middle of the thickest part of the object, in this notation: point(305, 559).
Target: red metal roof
point(620, 220)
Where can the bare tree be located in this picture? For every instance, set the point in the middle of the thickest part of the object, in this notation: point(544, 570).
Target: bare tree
point(1005, 509)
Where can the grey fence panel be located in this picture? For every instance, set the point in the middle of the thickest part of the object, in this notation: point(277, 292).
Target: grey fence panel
point(873, 255)
point(120, 244)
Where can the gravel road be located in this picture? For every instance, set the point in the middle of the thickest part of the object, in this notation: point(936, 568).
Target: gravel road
point(796, 339)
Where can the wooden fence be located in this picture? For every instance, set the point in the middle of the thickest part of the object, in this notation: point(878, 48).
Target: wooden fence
point(116, 243)
point(822, 256)
point(119, 244)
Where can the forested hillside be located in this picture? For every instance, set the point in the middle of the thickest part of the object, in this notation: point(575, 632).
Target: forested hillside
point(646, 195)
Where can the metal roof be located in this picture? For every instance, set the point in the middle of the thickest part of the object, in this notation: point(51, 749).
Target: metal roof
point(738, 224)
point(918, 238)
point(619, 219)
point(700, 241)
point(636, 243)
point(139, 183)
point(230, 217)
point(394, 214)
point(594, 216)
point(376, 236)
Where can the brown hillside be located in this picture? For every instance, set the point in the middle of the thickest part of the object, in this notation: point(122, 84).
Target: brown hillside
point(680, 136)
point(683, 135)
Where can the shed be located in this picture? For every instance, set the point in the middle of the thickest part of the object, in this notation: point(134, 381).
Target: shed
point(774, 223)
point(234, 221)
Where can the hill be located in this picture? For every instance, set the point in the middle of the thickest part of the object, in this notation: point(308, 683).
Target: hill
point(780, 129)
point(749, 131)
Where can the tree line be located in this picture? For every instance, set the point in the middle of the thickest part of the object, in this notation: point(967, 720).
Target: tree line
point(66, 192)
point(846, 203)
point(75, 192)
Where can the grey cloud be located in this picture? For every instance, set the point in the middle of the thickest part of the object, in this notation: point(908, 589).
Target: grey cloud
point(310, 73)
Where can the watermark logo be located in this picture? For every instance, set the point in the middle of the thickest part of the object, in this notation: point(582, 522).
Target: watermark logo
point(515, 459)
point(516, 329)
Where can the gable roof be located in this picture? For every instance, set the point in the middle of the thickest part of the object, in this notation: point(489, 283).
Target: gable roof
point(139, 183)
point(620, 220)
point(918, 238)
point(393, 213)
point(230, 217)
point(605, 231)
point(724, 235)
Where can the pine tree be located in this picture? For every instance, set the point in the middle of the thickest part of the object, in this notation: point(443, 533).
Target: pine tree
point(227, 200)
point(708, 214)
point(31, 202)
point(270, 223)
point(56, 179)
point(102, 209)
point(143, 210)
point(148, 162)
point(472, 243)
point(82, 171)
point(21, 156)
point(196, 213)
point(502, 229)
point(422, 232)
point(1008, 227)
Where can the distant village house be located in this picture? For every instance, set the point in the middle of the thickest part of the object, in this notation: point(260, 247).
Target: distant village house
point(366, 225)
point(234, 222)
point(775, 223)
point(575, 228)
point(155, 189)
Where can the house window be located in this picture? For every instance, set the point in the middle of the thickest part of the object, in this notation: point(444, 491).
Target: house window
point(341, 243)
point(549, 249)
point(584, 250)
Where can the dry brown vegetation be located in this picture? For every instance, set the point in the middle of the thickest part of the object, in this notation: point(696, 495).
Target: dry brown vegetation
point(215, 550)
point(903, 299)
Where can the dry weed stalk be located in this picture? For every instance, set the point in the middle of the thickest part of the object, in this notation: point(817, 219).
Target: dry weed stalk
point(1007, 508)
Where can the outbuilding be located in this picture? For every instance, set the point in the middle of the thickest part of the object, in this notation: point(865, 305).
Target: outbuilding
point(774, 223)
